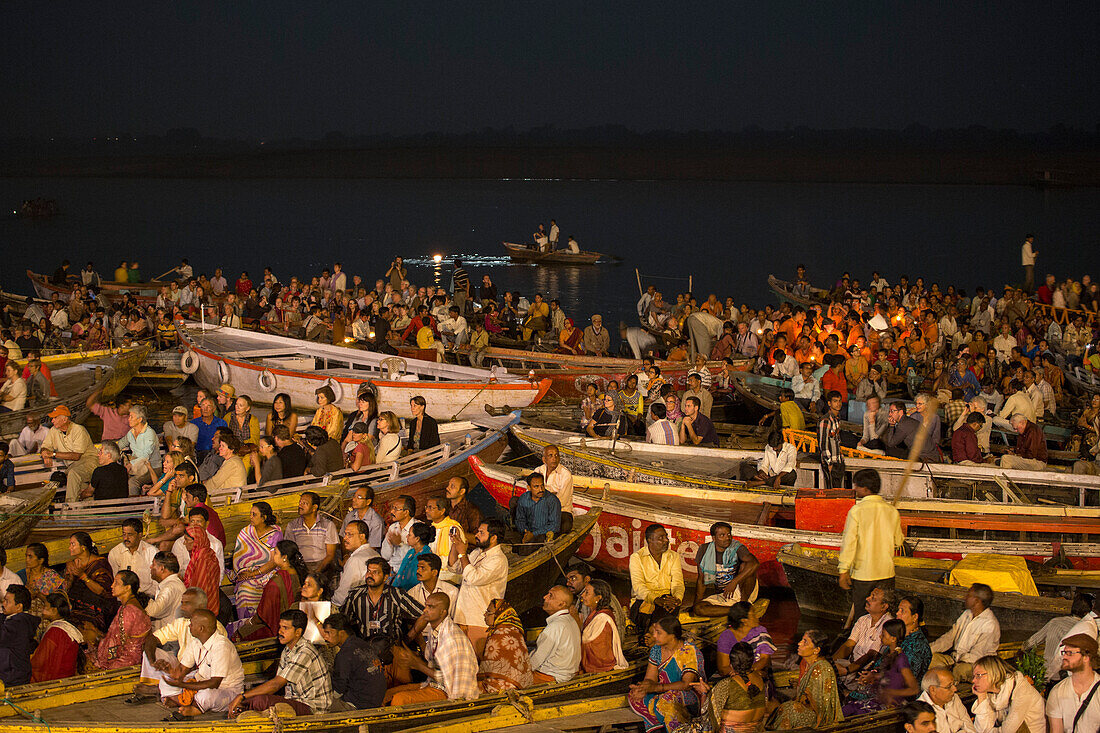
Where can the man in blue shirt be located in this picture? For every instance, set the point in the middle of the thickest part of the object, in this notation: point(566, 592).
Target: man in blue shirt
point(538, 512)
point(208, 424)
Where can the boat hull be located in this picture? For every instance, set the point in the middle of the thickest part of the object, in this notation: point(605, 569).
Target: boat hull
point(814, 580)
point(447, 400)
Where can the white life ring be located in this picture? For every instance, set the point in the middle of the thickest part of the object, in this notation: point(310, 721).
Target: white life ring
point(267, 381)
point(337, 389)
point(189, 362)
point(223, 372)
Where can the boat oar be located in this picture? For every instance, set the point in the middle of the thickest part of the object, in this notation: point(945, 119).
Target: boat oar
point(930, 408)
point(158, 277)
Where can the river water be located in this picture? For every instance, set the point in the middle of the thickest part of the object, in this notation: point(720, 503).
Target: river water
point(727, 236)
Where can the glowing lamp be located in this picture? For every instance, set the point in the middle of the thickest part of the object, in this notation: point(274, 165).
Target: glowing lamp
point(437, 259)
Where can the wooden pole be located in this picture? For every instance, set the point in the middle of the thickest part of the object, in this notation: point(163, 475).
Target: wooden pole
point(637, 275)
point(158, 277)
point(690, 290)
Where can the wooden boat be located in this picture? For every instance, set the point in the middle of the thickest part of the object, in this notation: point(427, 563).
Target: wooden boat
point(812, 572)
point(762, 523)
point(1070, 495)
point(528, 577)
point(784, 290)
point(1085, 383)
point(419, 475)
point(76, 377)
point(161, 372)
point(20, 510)
point(145, 293)
point(261, 365)
point(523, 253)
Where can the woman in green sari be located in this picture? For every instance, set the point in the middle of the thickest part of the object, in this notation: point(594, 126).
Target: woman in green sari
point(816, 702)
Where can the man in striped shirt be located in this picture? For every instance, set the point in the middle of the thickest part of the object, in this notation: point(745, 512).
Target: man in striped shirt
point(303, 676)
point(661, 431)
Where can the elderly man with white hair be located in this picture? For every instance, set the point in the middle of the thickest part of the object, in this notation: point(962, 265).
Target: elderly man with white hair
point(1030, 451)
point(938, 689)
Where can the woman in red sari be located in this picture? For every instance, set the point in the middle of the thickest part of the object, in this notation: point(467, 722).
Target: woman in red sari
point(58, 652)
point(601, 647)
point(202, 571)
point(121, 646)
point(280, 593)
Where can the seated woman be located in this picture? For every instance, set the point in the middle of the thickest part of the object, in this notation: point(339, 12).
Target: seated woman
point(421, 535)
point(888, 681)
point(58, 652)
point(122, 644)
point(88, 584)
point(281, 414)
point(281, 591)
point(570, 338)
point(202, 570)
point(606, 420)
point(328, 416)
point(601, 647)
point(816, 703)
point(743, 626)
point(1006, 700)
point(40, 579)
point(739, 701)
point(632, 406)
point(504, 663)
point(664, 698)
point(389, 438)
point(252, 557)
point(915, 644)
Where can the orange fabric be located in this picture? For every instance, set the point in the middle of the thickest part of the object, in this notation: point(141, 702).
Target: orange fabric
point(541, 678)
point(409, 694)
point(477, 635)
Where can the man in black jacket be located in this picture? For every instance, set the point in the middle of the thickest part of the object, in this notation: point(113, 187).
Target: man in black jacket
point(16, 636)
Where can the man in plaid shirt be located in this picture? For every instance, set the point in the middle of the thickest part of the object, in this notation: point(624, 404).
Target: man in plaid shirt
point(451, 664)
point(828, 442)
point(302, 676)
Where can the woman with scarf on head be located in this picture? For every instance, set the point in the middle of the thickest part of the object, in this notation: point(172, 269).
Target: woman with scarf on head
point(202, 571)
point(569, 340)
point(504, 663)
point(58, 652)
point(607, 420)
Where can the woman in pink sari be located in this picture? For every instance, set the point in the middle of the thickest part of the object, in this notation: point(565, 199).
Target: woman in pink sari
point(121, 646)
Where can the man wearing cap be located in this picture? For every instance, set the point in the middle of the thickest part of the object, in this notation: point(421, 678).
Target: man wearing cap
point(180, 426)
point(1073, 706)
point(68, 441)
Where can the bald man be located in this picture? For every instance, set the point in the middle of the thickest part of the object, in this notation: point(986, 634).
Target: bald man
point(209, 666)
point(557, 657)
point(939, 690)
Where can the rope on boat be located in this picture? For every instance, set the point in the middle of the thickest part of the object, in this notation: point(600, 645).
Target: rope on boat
point(35, 717)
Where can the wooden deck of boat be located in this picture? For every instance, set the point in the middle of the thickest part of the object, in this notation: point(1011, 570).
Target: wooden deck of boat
point(712, 511)
point(115, 710)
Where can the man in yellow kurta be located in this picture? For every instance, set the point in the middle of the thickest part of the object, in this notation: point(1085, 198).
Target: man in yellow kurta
point(656, 580)
point(872, 532)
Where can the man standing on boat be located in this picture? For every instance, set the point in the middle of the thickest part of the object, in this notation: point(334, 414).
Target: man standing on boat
point(554, 233)
point(1027, 259)
point(872, 532)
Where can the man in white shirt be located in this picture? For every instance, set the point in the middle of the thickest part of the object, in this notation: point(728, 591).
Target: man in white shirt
point(428, 567)
point(785, 366)
point(156, 662)
point(778, 466)
point(484, 578)
point(557, 656)
point(164, 608)
point(7, 577)
point(218, 283)
point(940, 691)
point(1050, 636)
point(1089, 623)
point(30, 437)
point(975, 634)
point(355, 567)
point(866, 634)
point(806, 387)
point(396, 543)
point(362, 509)
point(555, 232)
point(559, 481)
point(134, 554)
point(1073, 706)
point(209, 666)
point(453, 330)
point(1027, 259)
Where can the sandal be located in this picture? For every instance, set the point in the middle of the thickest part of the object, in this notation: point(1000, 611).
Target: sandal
point(137, 699)
point(175, 717)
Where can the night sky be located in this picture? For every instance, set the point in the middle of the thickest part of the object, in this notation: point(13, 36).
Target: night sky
point(281, 69)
